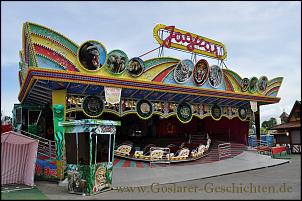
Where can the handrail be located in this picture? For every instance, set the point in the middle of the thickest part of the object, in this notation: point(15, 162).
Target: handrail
point(224, 150)
point(37, 136)
point(44, 145)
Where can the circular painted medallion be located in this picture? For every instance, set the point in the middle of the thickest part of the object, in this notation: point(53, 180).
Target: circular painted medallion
point(184, 112)
point(262, 83)
point(253, 85)
point(92, 55)
point(144, 109)
point(117, 61)
point(135, 67)
point(244, 84)
point(215, 76)
point(201, 71)
point(93, 106)
point(216, 112)
point(242, 112)
point(183, 71)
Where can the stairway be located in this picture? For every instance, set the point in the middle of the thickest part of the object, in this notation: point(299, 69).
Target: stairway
point(199, 137)
point(46, 148)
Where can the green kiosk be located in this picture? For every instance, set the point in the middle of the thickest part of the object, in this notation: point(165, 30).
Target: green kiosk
point(89, 146)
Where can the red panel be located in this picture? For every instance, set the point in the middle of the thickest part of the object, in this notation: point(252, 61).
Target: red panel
point(55, 56)
point(126, 163)
point(225, 129)
point(6, 128)
point(162, 75)
point(139, 164)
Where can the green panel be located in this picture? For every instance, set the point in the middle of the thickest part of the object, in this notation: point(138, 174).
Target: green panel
point(90, 125)
point(54, 36)
point(58, 111)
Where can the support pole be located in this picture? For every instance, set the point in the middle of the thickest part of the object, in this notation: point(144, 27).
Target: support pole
point(257, 124)
point(59, 115)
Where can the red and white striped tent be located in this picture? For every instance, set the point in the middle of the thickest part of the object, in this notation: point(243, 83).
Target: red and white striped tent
point(18, 158)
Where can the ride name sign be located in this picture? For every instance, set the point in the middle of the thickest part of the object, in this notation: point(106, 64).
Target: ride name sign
point(171, 37)
point(112, 94)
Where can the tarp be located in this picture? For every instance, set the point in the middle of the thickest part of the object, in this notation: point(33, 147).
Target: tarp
point(18, 158)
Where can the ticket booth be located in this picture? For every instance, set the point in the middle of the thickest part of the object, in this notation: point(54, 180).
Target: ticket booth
point(89, 146)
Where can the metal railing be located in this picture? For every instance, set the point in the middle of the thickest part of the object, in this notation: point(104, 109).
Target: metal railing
point(45, 147)
point(224, 150)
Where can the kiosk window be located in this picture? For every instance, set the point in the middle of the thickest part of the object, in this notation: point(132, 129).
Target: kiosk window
point(83, 148)
point(71, 148)
point(101, 142)
point(18, 115)
point(33, 117)
point(77, 154)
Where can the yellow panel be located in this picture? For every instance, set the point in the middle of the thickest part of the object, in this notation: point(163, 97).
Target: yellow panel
point(56, 47)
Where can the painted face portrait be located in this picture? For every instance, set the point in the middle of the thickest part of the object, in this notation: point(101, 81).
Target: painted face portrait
point(244, 84)
point(183, 71)
point(135, 67)
point(92, 55)
point(201, 72)
point(117, 61)
point(262, 83)
point(215, 76)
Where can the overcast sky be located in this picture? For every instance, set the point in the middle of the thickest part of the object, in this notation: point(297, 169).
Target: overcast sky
point(262, 38)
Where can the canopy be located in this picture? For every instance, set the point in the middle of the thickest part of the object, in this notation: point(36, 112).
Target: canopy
point(18, 158)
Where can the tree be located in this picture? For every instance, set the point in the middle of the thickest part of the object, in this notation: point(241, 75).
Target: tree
point(270, 123)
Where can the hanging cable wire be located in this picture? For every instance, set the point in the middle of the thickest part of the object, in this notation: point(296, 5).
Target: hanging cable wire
point(149, 51)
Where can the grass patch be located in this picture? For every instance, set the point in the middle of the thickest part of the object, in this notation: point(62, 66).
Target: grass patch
point(26, 194)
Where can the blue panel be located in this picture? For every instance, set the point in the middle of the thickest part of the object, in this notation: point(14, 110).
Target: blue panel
point(179, 97)
point(127, 92)
point(190, 98)
point(92, 90)
point(44, 62)
point(155, 95)
point(57, 85)
point(76, 87)
point(167, 96)
point(141, 94)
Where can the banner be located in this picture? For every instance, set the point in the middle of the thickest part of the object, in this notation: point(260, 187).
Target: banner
point(253, 106)
point(112, 94)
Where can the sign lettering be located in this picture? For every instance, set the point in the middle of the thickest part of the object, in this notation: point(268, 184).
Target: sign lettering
point(171, 37)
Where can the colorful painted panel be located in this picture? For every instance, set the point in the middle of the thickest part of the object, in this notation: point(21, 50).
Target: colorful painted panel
point(89, 180)
point(45, 169)
point(45, 48)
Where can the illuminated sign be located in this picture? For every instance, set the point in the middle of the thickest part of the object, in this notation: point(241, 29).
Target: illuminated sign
point(170, 37)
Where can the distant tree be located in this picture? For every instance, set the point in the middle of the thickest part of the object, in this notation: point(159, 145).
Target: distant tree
point(270, 123)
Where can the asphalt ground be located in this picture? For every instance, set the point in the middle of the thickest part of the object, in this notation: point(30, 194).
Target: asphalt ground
point(278, 182)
